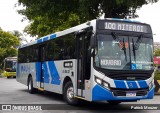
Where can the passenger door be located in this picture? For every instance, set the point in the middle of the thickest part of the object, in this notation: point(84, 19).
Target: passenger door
point(82, 60)
point(42, 61)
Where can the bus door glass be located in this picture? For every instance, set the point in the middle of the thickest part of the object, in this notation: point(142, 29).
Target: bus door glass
point(42, 60)
point(82, 60)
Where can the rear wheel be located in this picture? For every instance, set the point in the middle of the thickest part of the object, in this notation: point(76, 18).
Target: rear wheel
point(8, 77)
point(31, 89)
point(68, 94)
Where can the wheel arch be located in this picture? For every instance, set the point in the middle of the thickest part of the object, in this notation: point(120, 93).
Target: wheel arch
point(66, 79)
point(28, 79)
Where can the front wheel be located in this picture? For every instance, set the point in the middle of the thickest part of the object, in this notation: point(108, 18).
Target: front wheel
point(31, 89)
point(68, 94)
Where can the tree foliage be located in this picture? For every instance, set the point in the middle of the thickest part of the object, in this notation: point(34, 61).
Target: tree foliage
point(16, 33)
point(48, 16)
point(8, 44)
point(157, 52)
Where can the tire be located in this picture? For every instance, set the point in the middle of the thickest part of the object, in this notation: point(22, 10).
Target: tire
point(8, 77)
point(68, 94)
point(31, 89)
point(114, 102)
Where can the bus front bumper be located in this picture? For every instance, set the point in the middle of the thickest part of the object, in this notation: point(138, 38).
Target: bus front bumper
point(9, 74)
point(99, 93)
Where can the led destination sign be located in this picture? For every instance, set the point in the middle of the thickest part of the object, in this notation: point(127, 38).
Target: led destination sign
point(124, 26)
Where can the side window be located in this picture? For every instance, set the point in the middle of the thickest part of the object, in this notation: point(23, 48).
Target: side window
point(19, 56)
point(23, 55)
point(35, 53)
point(69, 46)
point(59, 49)
point(50, 50)
point(30, 54)
point(27, 54)
point(42, 52)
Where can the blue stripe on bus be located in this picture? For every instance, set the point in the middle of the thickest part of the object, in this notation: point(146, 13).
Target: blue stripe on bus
point(53, 36)
point(143, 84)
point(125, 20)
point(132, 84)
point(38, 71)
point(120, 84)
point(55, 78)
point(45, 38)
point(39, 40)
point(116, 19)
point(54, 73)
point(45, 72)
point(100, 93)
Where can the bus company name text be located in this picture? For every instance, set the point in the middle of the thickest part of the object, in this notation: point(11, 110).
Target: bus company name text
point(111, 62)
point(25, 69)
point(124, 27)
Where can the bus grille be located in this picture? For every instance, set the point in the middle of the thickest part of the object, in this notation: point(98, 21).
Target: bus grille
point(122, 92)
point(130, 76)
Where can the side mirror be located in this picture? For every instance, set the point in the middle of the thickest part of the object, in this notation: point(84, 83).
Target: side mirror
point(92, 42)
point(92, 52)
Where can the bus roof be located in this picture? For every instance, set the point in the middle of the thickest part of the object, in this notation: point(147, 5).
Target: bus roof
point(60, 33)
point(74, 29)
point(11, 58)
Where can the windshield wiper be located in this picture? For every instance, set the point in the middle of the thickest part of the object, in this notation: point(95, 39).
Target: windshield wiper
point(134, 50)
point(138, 41)
point(124, 48)
point(136, 45)
point(116, 38)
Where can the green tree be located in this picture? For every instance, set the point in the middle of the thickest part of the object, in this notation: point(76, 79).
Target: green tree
point(16, 33)
point(157, 52)
point(20, 36)
point(48, 16)
point(8, 44)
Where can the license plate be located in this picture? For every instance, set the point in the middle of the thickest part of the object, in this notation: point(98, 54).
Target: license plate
point(130, 94)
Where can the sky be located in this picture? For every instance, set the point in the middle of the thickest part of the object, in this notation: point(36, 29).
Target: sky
point(10, 20)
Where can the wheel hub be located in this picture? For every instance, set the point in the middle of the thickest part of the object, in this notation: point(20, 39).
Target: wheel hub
point(70, 93)
point(29, 86)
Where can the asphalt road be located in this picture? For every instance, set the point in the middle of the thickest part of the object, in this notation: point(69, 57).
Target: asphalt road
point(12, 92)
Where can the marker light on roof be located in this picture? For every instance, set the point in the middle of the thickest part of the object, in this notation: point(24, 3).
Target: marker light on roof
point(125, 20)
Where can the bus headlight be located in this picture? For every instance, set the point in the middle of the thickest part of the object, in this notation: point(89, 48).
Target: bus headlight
point(150, 85)
point(102, 83)
point(98, 80)
point(105, 84)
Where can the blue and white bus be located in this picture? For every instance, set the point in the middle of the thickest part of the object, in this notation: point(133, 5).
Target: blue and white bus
point(103, 59)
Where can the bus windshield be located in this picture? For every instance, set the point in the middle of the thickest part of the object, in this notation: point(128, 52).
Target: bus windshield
point(124, 52)
point(10, 65)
